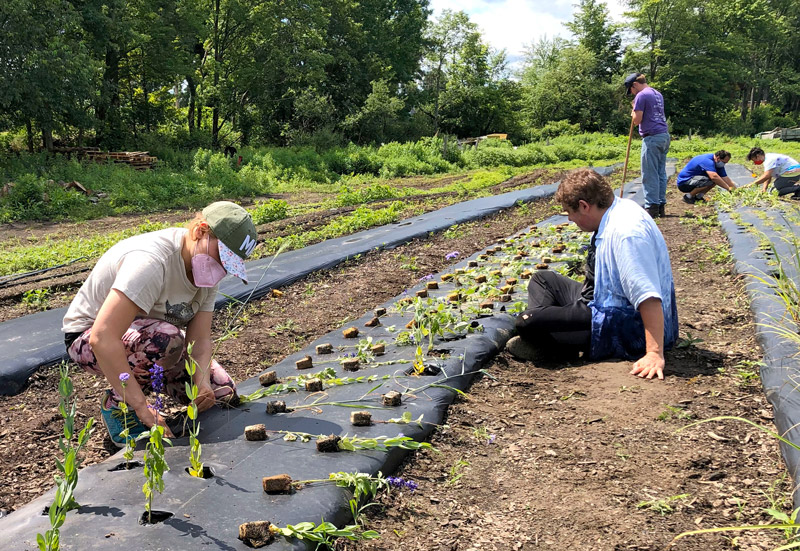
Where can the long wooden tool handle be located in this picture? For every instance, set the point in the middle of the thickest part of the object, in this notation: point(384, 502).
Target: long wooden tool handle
point(627, 155)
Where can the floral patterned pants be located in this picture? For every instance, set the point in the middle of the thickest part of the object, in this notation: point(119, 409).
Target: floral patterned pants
point(150, 341)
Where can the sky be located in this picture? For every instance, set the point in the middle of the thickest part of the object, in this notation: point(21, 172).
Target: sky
point(511, 24)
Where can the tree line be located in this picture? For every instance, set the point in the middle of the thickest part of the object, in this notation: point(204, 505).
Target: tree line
point(138, 73)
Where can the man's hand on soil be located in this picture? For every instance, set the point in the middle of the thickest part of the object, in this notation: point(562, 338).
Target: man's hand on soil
point(650, 365)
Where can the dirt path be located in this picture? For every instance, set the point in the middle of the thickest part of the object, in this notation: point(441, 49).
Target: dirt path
point(585, 456)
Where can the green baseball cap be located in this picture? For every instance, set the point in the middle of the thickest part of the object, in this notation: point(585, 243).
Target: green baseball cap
point(236, 233)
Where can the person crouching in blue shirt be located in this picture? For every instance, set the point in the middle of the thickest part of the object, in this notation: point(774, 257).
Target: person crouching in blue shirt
point(625, 307)
point(702, 173)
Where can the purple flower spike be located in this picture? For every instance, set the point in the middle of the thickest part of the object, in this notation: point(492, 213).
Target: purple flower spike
point(123, 377)
point(453, 255)
point(426, 278)
point(157, 383)
point(397, 482)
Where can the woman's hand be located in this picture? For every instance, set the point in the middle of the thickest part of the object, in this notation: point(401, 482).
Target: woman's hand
point(149, 416)
point(205, 396)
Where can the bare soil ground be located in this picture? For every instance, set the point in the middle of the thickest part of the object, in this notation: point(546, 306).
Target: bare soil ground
point(577, 456)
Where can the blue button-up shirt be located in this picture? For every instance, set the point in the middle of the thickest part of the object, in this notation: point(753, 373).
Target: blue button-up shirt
point(631, 266)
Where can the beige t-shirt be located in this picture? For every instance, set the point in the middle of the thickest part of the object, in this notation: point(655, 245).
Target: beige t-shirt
point(149, 270)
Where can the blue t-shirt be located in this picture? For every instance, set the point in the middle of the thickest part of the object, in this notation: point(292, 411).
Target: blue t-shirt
point(700, 166)
point(651, 103)
point(631, 266)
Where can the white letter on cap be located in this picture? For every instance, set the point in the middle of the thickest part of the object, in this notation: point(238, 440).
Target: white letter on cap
point(248, 245)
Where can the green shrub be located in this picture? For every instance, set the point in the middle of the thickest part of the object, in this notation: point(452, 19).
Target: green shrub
point(269, 211)
point(374, 192)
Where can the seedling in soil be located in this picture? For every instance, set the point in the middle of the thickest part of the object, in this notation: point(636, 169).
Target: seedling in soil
point(313, 385)
point(673, 411)
point(195, 449)
point(257, 534)
point(325, 443)
point(661, 506)
point(688, 342)
point(268, 379)
point(361, 418)
point(276, 406)
point(456, 471)
point(304, 363)
point(325, 533)
point(66, 482)
point(126, 433)
point(391, 399)
point(350, 333)
point(325, 348)
point(154, 463)
point(255, 433)
point(278, 484)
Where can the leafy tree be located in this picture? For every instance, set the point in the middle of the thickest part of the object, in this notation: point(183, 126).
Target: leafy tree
point(594, 31)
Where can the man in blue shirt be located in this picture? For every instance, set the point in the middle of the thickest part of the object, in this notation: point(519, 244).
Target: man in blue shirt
point(648, 113)
point(703, 173)
point(626, 306)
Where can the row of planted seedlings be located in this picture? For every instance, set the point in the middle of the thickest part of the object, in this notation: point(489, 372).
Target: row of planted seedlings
point(411, 355)
point(423, 328)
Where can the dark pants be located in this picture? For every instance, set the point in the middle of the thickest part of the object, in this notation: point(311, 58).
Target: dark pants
point(785, 186)
point(557, 320)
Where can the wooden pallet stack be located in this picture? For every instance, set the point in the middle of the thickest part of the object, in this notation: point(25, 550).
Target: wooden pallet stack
point(140, 160)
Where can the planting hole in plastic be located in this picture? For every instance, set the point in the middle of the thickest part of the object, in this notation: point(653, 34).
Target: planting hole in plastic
point(125, 466)
point(154, 517)
point(208, 472)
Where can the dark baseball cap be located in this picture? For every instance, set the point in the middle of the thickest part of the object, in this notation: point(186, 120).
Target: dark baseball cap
point(629, 80)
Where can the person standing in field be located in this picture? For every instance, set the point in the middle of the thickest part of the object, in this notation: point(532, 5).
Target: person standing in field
point(784, 169)
point(648, 114)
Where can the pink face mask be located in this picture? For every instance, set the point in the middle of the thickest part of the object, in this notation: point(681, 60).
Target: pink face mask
point(206, 271)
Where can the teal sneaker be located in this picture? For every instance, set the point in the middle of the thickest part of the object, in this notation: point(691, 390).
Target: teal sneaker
point(114, 420)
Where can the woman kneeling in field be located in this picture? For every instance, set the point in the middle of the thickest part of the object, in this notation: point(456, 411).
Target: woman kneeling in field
point(145, 300)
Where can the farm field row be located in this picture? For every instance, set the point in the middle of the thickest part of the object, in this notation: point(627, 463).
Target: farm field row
point(601, 441)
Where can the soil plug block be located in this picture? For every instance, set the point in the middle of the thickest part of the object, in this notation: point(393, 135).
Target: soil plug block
point(325, 348)
point(254, 433)
point(411, 324)
point(268, 378)
point(447, 277)
point(505, 298)
point(379, 349)
point(454, 297)
point(380, 311)
point(391, 399)
point(483, 257)
point(304, 363)
point(278, 484)
point(350, 333)
point(496, 273)
point(507, 289)
point(526, 274)
point(517, 257)
point(541, 266)
point(536, 244)
point(361, 418)
point(350, 364)
point(501, 240)
point(480, 279)
point(314, 385)
point(374, 322)
point(276, 406)
point(547, 260)
point(487, 304)
point(432, 285)
point(404, 301)
point(255, 534)
point(559, 249)
point(472, 264)
point(511, 281)
point(459, 271)
point(423, 293)
point(328, 444)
